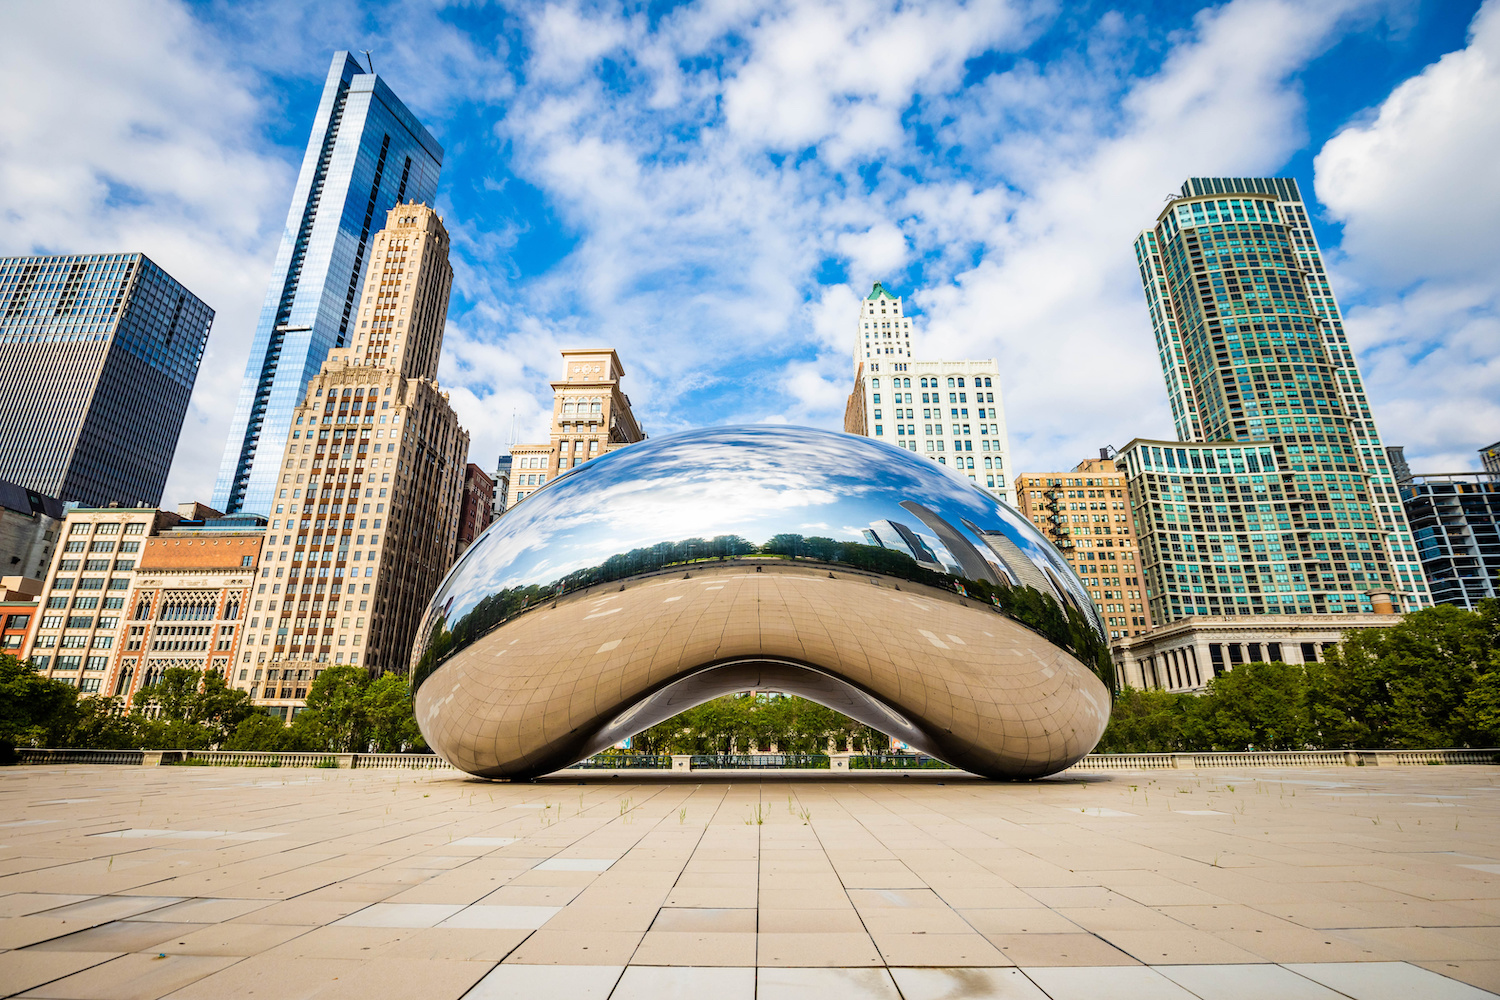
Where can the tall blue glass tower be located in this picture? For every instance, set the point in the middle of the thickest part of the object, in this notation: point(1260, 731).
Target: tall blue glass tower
point(367, 152)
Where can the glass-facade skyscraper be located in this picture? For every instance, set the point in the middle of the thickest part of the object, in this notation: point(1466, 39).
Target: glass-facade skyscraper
point(367, 153)
point(98, 355)
point(1305, 518)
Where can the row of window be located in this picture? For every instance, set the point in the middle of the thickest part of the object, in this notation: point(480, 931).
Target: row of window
point(107, 528)
point(954, 382)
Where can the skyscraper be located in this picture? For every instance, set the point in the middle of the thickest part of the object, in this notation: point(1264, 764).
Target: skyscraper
point(978, 446)
point(367, 153)
point(98, 355)
point(1253, 349)
point(365, 514)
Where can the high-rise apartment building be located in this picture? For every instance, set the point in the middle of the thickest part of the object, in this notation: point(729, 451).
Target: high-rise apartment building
point(83, 598)
point(367, 153)
point(365, 511)
point(1276, 433)
point(1086, 514)
point(1456, 520)
point(591, 415)
point(951, 411)
point(98, 355)
point(478, 507)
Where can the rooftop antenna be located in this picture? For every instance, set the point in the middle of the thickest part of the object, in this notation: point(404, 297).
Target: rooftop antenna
point(368, 61)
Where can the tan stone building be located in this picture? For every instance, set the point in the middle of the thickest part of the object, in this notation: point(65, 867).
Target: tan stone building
point(79, 619)
point(591, 415)
point(1086, 514)
point(366, 513)
point(190, 599)
point(1186, 654)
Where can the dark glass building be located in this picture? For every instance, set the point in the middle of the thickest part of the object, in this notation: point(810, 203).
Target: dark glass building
point(367, 152)
point(1456, 521)
point(98, 355)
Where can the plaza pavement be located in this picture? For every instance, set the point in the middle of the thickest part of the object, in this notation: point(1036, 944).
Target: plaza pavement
point(1295, 884)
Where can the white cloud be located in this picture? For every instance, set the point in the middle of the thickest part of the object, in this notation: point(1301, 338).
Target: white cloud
point(1417, 188)
point(874, 254)
point(705, 168)
point(121, 129)
point(1057, 298)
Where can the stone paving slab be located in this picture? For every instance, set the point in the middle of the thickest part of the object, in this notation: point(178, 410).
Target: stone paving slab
point(186, 882)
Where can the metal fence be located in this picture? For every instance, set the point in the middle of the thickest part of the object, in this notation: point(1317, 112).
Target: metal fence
point(625, 761)
point(743, 760)
point(894, 761)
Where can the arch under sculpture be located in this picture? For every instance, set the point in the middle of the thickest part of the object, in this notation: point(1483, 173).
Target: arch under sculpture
point(838, 568)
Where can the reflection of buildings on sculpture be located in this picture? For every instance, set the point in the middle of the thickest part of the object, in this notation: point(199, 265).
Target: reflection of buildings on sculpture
point(1186, 654)
point(961, 410)
point(1086, 514)
point(811, 563)
point(591, 415)
point(366, 510)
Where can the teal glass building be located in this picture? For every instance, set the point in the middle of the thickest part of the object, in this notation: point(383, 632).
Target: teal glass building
point(98, 356)
point(367, 153)
point(1252, 345)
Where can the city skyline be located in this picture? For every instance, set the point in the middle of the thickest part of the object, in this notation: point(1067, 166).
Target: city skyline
point(549, 219)
point(367, 152)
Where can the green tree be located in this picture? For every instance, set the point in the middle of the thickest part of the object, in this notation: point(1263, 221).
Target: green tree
point(1407, 686)
point(1258, 706)
point(100, 724)
point(188, 701)
point(1153, 722)
point(35, 711)
point(263, 732)
point(391, 720)
point(336, 718)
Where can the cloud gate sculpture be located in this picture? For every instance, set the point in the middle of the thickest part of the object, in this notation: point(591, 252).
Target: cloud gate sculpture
point(838, 568)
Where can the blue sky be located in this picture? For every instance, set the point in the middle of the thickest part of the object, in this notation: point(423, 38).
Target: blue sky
point(709, 188)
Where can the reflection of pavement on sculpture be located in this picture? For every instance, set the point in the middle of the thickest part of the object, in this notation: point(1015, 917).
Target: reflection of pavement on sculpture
point(858, 575)
point(954, 678)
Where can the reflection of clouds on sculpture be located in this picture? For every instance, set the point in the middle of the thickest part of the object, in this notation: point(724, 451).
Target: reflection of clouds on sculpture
point(663, 574)
point(758, 483)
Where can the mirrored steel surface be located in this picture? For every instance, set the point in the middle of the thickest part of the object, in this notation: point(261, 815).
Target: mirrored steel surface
point(859, 575)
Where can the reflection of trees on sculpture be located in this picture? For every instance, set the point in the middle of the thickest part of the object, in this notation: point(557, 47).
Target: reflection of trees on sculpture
point(1063, 626)
point(746, 723)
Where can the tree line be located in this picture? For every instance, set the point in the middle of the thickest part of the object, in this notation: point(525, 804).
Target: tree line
point(1431, 681)
point(347, 712)
point(758, 723)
